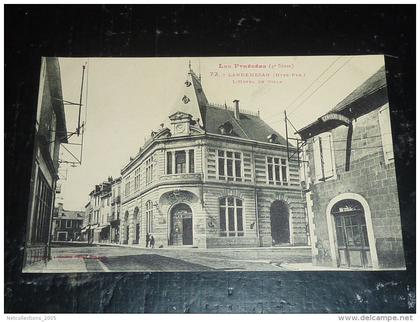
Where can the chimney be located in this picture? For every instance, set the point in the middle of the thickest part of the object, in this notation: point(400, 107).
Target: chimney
point(236, 109)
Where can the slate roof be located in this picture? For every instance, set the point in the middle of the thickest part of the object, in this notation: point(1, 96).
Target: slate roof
point(248, 126)
point(372, 84)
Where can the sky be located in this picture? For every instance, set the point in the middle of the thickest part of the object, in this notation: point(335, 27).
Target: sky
point(124, 99)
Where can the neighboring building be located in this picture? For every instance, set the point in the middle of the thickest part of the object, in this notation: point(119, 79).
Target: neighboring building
point(104, 215)
point(215, 177)
point(50, 132)
point(114, 219)
point(96, 227)
point(87, 232)
point(67, 224)
point(352, 195)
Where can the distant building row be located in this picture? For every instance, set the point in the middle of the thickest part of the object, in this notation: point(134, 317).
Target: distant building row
point(67, 224)
point(102, 213)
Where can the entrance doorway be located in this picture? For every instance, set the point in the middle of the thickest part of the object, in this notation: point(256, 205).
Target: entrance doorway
point(181, 225)
point(137, 241)
point(280, 231)
point(127, 228)
point(127, 234)
point(351, 232)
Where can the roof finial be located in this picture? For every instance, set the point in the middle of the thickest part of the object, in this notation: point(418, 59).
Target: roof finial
point(189, 64)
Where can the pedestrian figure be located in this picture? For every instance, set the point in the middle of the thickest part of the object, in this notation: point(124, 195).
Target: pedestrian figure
point(147, 240)
point(152, 241)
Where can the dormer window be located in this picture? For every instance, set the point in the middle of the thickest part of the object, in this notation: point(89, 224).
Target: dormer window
point(272, 138)
point(226, 128)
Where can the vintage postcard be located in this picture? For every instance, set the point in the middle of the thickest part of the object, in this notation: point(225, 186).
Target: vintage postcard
point(213, 164)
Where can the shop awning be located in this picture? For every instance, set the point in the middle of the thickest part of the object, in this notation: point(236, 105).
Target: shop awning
point(100, 228)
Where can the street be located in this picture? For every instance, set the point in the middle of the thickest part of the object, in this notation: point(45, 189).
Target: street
point(73, 257)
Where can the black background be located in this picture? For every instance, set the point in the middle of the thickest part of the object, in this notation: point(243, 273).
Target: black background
point(187, 30)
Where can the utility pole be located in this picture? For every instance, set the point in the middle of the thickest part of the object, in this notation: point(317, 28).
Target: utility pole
point(287, 135)
point(80, 101)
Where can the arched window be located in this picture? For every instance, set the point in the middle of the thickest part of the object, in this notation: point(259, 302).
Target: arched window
point(231, 217)
point(149, 216)
point(135, 214)
point(126, 216)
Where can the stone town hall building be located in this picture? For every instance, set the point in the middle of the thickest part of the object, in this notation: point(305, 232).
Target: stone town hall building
point(215, 177)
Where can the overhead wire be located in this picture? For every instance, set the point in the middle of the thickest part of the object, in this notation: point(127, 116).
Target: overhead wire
point(310, 85)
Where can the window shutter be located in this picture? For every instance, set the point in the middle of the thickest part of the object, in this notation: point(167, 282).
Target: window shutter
point(386, 134)
point(327, 154)
point(317, 159)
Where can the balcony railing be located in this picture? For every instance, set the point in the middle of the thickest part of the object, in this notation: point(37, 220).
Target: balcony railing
point(181, 177)
point(115, 200)
point(114, 216)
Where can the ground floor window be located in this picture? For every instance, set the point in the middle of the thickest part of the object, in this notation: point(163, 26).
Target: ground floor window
point(231, 217)
point(149, 217)
point(43, 200)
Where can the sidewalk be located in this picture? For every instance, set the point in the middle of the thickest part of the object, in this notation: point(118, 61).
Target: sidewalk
point(58, 265)
point(215, 249)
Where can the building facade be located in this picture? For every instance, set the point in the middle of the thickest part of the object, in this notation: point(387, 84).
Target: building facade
point(215, 176)
point(50, 132)
point(352, 196)
point(97, 225)
point(114, 219)
point(87, 231)
point(67, 224)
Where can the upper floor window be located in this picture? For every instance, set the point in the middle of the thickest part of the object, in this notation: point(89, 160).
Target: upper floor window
point(137, 179)
point(277, 171)
point(231, 217)
point(180, 161)
point(68, 223)
point(149, 170)
point(127, 186)
point(191, 168)
point(323, 157)
point(229, 165)
point(386, 133)
point(149, 217)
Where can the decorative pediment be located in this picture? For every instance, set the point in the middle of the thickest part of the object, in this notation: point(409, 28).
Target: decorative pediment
point(196, 130)
point(164, 133)
point(180, 116)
